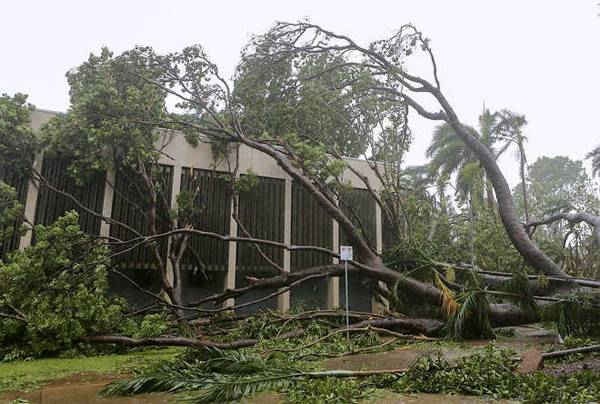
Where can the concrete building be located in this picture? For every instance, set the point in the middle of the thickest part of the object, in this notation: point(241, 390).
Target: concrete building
point(290, 209)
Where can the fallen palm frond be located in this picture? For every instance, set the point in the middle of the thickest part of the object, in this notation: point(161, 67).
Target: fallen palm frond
point(449, 305)
point(199, 374)
point(224, 376)
point(471, 320)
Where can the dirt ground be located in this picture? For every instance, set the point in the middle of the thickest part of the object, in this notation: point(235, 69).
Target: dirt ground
point(405, 356)
point(82, 389)
point(74, 391)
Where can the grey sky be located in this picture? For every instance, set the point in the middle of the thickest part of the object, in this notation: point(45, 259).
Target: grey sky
point(539, 58)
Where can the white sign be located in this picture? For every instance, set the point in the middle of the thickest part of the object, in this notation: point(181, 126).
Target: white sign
point(346, 253)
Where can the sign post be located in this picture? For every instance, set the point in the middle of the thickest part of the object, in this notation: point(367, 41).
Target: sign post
point(346, 255)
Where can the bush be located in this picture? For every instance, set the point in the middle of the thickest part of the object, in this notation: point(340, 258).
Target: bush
point(152, 325)
point(55, 292)
point(491, 373)
point(327, 391)
point(10, 211)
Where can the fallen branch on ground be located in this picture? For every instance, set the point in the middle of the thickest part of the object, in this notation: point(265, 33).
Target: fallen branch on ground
point(350, 373)
point(180, 341)
point(360, 327)
point(533, 359)
point(565, 352)
point(424, 326)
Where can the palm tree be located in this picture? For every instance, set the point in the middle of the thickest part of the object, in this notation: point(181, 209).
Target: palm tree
point(595, 156)
point(508, 129)
point(450, 156)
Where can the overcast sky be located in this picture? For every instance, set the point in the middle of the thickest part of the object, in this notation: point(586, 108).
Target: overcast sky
point(539, 58)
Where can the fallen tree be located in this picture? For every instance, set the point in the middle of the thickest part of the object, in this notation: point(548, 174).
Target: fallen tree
point(124, 101)
point(376, 73)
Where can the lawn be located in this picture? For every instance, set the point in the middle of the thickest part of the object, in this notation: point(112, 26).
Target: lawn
point(28, 375)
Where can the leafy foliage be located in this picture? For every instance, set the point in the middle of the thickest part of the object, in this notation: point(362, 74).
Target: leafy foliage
point(17, 140)
point(309, 100)
point(491, 373)
point(284, 365)
point(328, 390)
point(560, 184)
point(519, 286)
point(18, 145)
point(10, 211)
point(148, 326)
point(113, 115)
point(577, 315)
point(57, 290)
point(223, 376)
point(118, 122)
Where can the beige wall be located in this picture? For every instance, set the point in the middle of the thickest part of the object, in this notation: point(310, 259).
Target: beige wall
point(177, 152)
point(39, 117)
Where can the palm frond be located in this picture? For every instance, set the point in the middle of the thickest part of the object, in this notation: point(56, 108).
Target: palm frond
point(221, 376)
point(170, 377)
point(230, 388)
point(595, 156)
point(449, 304)
point(471, 320)
point(518, 286)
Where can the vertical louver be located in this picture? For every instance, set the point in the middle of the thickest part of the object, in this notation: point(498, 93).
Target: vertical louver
point(311, 225)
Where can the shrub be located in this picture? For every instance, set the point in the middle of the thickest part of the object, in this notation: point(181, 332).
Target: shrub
point(55, 292)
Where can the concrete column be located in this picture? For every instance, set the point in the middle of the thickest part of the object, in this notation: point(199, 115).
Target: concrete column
point(232, 258)
point(175, 189)
point(283, 300)
point(107, 203)
point(333, 283)
point(33, 188)
point(378, 229)
point(376, 306)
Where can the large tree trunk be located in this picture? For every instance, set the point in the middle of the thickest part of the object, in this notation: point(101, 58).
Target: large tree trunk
point(504, 314)
point(506, 207)
point(522, 162)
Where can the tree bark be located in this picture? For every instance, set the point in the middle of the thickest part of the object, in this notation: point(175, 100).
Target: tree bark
point(522, 162)
point(506, 207)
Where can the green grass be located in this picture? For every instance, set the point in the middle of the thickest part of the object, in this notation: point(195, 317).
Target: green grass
point(28, 375)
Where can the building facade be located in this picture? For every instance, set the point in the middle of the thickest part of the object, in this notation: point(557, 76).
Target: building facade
point(277, 209)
